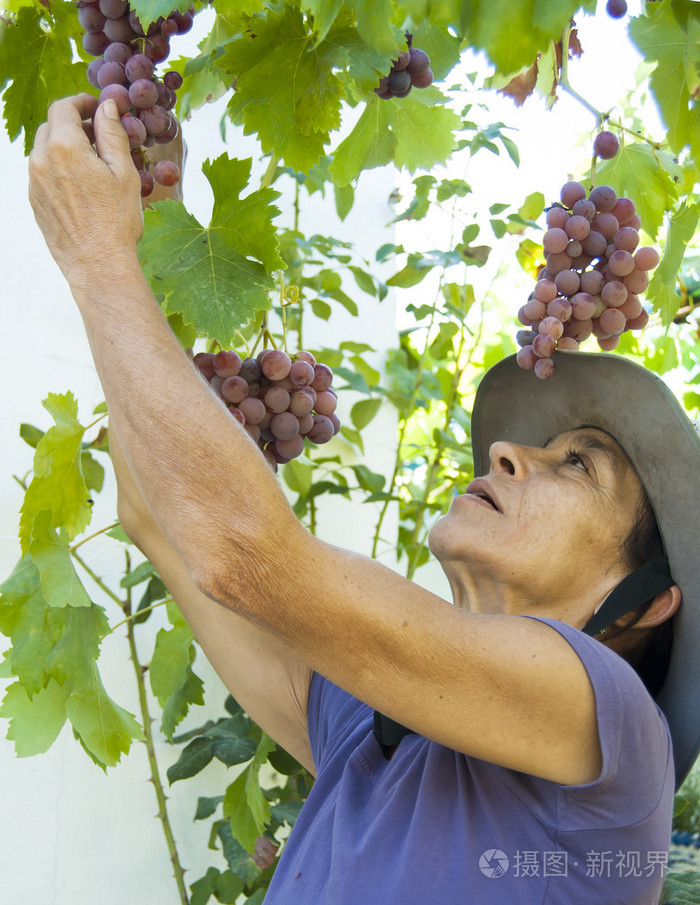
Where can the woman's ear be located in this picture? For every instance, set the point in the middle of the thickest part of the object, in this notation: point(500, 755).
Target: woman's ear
point(664, 606)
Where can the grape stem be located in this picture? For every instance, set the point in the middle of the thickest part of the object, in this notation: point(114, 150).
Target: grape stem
point(161, 798)
point(599, 115)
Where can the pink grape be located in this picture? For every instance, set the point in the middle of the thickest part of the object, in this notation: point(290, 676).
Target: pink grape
point(139, 67)
point(277, 400)
point(557, 217)
point(545, 290)
point(276, 364)
point(555, 240)
point(143, 93)
point(147, 183)
point(119, 95)
point(550, 326)
point(568, 343)
point(608, 343)
point(606, 145)
point(91, 18)
point(646, 258)
point(226, 363)
point(205, 364)
point(613, 321)
point(167, 173)
point(323, 378)
point(583, 306)
point(424, 80)
point(234, 389)
point(301, 373)
point(571, 193)
point(119, 30)
point(544, 345)
point(636, 282)
point(584, 208)
point(616, 9)
point(560, 308)
point(614, 294)
point(578, 330)
point(117, 53)
point(545, 368)
point(418, 63)
point(111, 74)
point(322, 431)
point(326, 403)
point(632, 307)
point(558, 262)
point(135, 129)
point(534, 310)
point(604, 198)
point(155, 119)
point(285, 426)
point(95, 43)
point(626, 239)
point(624, 210)
point(640, 322)
point(172, 80)
point(253, 409)
point(290, 449)
point(526, 358)
point(607, 225)
point(113, 9)
point(567, 282)
point(594, 244)
point(577, 227)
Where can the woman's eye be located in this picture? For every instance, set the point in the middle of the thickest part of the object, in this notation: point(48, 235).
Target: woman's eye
point(573, 458)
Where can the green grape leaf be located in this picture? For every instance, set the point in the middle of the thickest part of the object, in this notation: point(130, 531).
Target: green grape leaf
point(662, 288)
point(105, 729)
point(38, 61)
point(37, 631)
point(200, 272)
point(676, 77)
point(93, 472)
point(58, 486)
point(192, 760)
point(645, 175)
point(324, 14)
point(513, 32)
point(244, 802)
point(374, 24)
point(73, 658)
point(170, 664)
point(150, 10)
point(34, 722)
point(60, 584)
point(364, 64)
point(177, 706)
point(248, 219)
point(442, 47)
point(413, 132)
point(286, 89)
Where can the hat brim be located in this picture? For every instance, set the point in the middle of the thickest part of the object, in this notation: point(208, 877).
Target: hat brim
point(637, 408)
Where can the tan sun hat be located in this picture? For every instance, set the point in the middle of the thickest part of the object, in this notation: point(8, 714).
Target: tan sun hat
point(637, 408)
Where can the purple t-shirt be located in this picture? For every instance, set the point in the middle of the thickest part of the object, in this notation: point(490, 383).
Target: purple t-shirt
point(434, 825)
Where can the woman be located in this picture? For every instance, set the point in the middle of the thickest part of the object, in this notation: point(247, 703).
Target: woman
point(534, 755)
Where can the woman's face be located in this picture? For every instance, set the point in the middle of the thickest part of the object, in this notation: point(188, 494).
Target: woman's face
point(542, 532)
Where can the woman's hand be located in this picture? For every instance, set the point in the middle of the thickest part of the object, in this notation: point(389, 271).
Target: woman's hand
point(86, 200)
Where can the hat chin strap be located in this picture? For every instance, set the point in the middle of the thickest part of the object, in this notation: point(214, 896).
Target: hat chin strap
point(634, 590)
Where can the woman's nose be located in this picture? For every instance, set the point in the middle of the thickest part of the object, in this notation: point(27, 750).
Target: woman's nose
point(510, 458)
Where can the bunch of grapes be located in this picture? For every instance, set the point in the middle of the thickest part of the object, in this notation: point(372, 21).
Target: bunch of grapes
point(592, 280)
point(124, 70)
point(279, 399)
point(410, 70)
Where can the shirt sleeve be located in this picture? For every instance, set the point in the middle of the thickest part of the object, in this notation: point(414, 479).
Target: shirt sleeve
point(334, 719)
point(634, 739)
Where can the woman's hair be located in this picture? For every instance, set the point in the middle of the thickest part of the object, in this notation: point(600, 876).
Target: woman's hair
point(651, 656)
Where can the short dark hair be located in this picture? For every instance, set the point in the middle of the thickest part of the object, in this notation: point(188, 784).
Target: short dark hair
point(651, 657)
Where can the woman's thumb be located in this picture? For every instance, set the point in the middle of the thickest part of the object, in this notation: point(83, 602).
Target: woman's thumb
point(111, 139)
